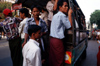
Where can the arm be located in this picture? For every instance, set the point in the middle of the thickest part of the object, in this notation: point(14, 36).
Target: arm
point(25, 39)
point(55, 5)
point(44, 31)
point(70, 16)
point(46, 18)
point(26, 34)
point(65, 21)
point(20, 28)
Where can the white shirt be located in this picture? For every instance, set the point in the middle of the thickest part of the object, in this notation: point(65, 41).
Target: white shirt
point(31, 54)
point(21, 28)
point(98, 33)
point(44, 16)
point(59, 23)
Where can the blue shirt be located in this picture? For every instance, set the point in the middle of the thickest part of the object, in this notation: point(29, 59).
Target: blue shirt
point(59, 22)
point(31, 21)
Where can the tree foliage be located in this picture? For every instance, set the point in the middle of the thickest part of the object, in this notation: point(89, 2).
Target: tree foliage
point(4, 5)
point(95, 18)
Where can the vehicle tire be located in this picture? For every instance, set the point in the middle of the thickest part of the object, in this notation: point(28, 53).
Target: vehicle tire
point(84, 54)
point(78, 62)
point(89, 38)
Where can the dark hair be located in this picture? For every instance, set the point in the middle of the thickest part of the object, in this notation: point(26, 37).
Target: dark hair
point(25, 11)
point(44, 9)
point(60, 3)
point(36, 6)
point(10, 14)
point(33, 29)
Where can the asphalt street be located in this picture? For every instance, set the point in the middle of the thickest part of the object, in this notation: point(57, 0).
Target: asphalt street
point(92, 50)
point(5, 59)
point(91, 59)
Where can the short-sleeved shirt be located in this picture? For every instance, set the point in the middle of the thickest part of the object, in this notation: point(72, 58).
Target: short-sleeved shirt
point(44, 16)
point(59, 23)
point(10, 26)
point(98, 33)
point(31, 54)
point(21, 28)
point(31, 21)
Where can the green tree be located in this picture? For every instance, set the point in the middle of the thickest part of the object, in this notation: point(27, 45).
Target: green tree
point(4, 5)
point(95, 18)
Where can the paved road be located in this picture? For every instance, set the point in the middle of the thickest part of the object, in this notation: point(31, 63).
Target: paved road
point(91, 60)
point(5, 59)
point(92, 51)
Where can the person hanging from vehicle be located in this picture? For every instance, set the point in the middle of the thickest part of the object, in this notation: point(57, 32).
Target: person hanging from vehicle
point(10, 26)
point(61, 21)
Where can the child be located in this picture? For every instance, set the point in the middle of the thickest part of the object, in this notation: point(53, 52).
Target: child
point(31, 50)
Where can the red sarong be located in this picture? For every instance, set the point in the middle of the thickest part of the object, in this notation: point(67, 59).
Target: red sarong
point(98, 57)
point(56, 56)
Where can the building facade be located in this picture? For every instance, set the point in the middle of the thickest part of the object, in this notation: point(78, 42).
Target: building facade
point(12, 1)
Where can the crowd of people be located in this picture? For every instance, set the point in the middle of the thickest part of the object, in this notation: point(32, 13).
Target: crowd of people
point(96, 35)
point(38, 41)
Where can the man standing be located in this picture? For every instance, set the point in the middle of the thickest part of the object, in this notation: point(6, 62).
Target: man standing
point(24, 13)
point(10, 26)
point(59, 23)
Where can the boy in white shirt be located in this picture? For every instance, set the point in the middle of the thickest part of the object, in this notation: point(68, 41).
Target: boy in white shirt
point(31, 51)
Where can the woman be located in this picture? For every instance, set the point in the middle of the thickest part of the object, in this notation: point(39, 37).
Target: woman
point(52, 9)
point(35, 20)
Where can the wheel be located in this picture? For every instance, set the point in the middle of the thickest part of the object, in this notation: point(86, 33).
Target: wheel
point(78, 62)
point(84, 54)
